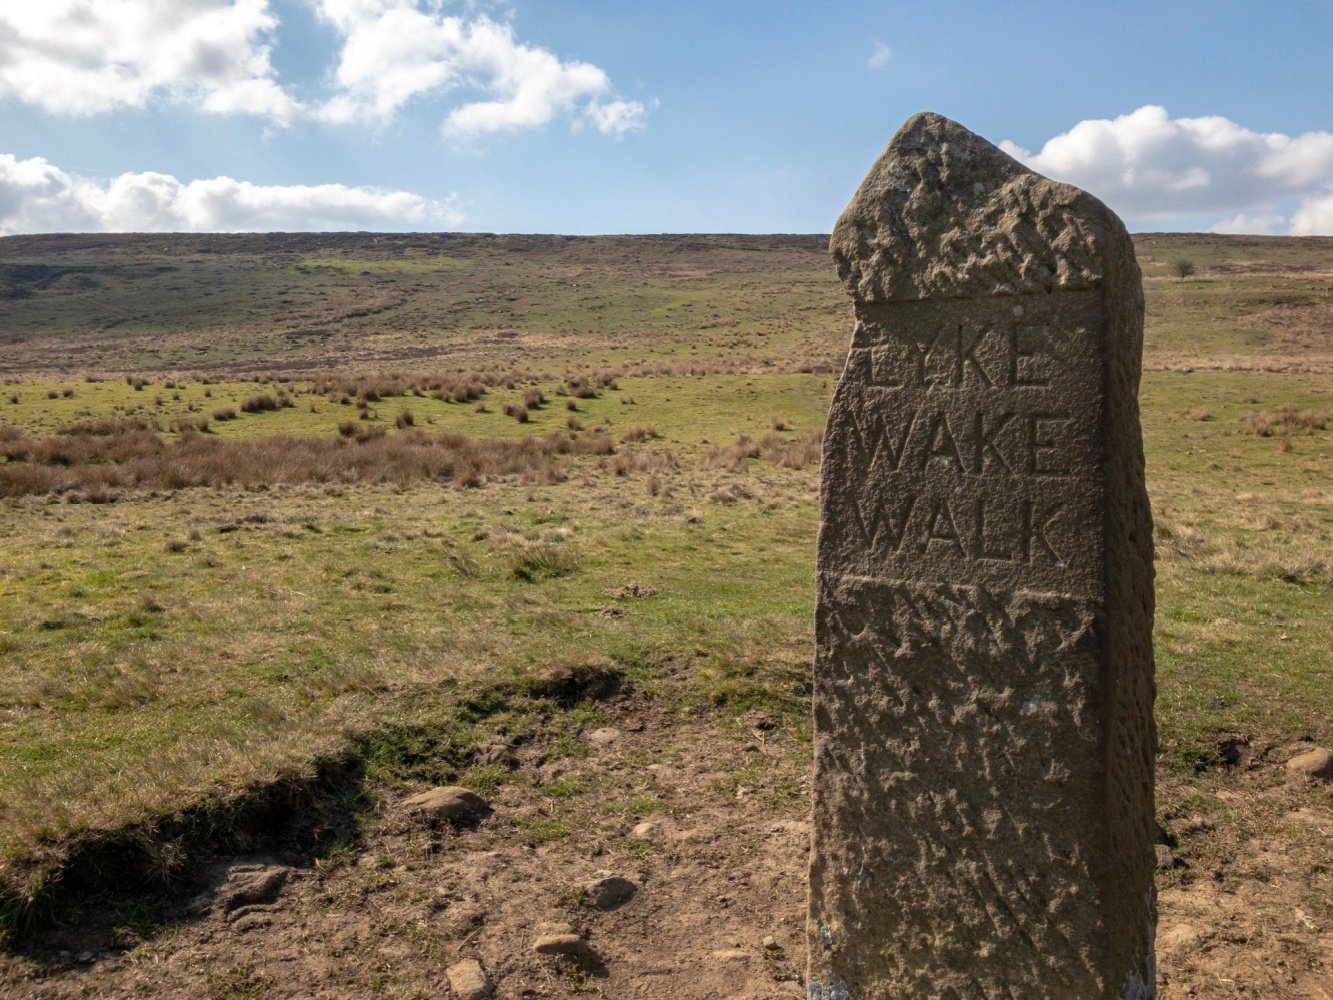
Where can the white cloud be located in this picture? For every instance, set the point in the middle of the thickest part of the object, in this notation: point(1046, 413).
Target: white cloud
point(616, 117)
point(394, 51)
point(1315, 216)
point(38, 197)
point(1261, 224)
point(880, 56)
point(1152, 167)
point(84, 57)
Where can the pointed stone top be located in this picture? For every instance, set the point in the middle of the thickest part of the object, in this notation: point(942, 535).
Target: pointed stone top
point(945, 214)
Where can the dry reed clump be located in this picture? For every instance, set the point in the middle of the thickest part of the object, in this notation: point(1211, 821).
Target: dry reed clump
point(543, 561)
point(735, 457)
point(655, 461)
point(456, 387)
point(580, 387)
point(1286, 420)
point(795, 454)
point(636, 434)
point(264, 403)
point(108, 426)
point(94, 465)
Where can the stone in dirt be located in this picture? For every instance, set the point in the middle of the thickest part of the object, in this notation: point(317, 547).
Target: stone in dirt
point(1313, 765)
point(468, 980)
point(448, 804)
point(984, 739)
point(250, 885)
point(560, 939)
point(610, 892)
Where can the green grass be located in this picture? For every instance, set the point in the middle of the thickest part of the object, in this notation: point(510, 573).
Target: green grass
point(180, 647)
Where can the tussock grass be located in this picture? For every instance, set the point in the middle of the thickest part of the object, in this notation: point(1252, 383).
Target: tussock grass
point(135, 457)
point(1286, 420)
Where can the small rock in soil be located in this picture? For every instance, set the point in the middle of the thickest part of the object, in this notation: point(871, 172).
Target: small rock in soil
point(559, 939)
point(449, 804)
point(601, 737)
point(645, 830)
point(610, 892)
point(731, 955)
point(250, 886)
point(1313, 765)
point(468, 980)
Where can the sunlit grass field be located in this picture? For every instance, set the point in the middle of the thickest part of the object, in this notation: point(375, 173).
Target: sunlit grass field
point(161, 646)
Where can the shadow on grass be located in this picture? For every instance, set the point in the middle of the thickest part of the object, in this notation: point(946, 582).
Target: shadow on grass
point(110, 890)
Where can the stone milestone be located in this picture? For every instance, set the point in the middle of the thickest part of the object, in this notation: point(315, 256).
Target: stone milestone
point(984, 739)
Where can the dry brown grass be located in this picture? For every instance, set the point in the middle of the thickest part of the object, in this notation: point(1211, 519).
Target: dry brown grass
point(88, 462)
point(1285, 421)
point(794, 454)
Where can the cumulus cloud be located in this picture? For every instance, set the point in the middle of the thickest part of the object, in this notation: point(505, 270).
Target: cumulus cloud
point(1315, 216)
point(879, 56)
point(394, 51)
point(84, 57)
point(38, 197)
point(1153, 168)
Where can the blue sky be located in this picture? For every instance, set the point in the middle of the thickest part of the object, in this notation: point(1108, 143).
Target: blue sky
point(602, 117)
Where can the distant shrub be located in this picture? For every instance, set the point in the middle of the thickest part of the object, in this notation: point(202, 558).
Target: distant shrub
point(225, 413)
point(1182, 268)
point(404, 420)
point(534, 398)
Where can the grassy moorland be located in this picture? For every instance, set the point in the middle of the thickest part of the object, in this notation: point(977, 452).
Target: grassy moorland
point(266, 497)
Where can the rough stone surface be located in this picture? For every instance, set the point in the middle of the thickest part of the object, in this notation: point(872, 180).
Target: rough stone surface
point(983, 822)
point(610, 892)
point(448, 804)
point(1313, 765)
point(560, 939)
point(248, 885)
point(468, 980)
